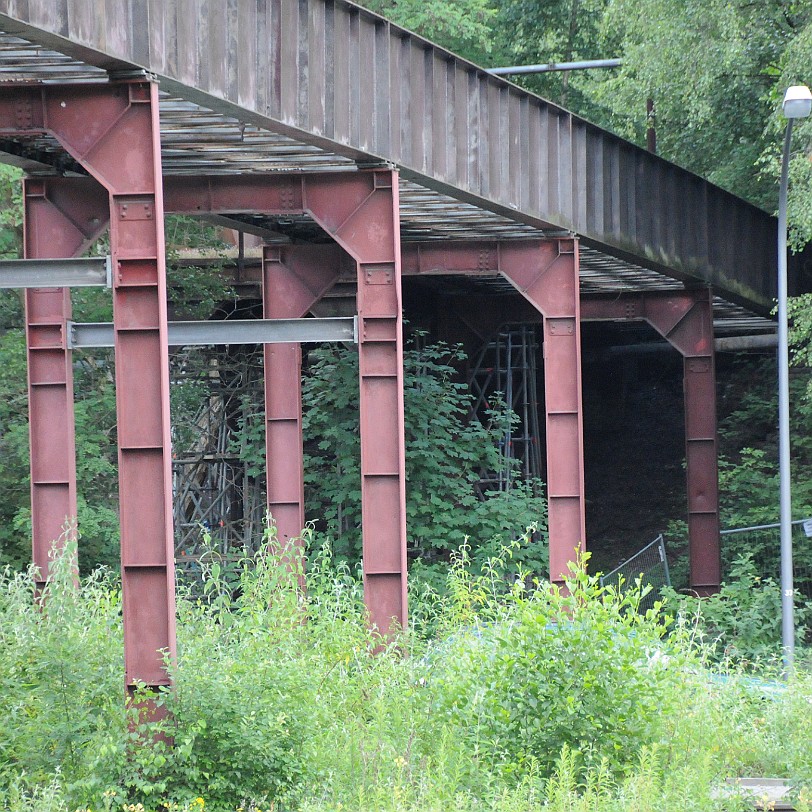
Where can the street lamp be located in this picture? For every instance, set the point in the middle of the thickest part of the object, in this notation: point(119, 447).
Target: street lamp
point(797, 104)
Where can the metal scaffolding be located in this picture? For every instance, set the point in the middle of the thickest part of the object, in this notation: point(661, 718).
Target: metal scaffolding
point(505, 368)
point(219, 489)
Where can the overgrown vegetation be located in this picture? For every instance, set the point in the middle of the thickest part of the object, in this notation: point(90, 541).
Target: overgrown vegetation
point(447, 452)
point(503, 695)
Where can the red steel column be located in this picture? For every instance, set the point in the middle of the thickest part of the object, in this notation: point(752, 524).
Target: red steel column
point(113, 131)
point(702, 475)
point(361, 212)
point(686, 321)
point(56, 226)
point(293, 280)
point(547, 275)
point(142, 395)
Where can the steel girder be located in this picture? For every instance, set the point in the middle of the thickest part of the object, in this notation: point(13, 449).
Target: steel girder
point(545, 273)
point(55, 225)
point(112, 131)
point(359, 211)
point(685, 320)
point(349, 86)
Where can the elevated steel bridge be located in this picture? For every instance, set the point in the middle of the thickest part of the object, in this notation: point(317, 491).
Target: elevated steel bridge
point(360, 153)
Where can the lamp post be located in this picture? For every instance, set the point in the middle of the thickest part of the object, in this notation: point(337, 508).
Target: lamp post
point(797, 104)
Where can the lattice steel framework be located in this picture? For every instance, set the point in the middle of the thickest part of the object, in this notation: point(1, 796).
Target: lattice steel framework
point(218, 487)
point(505, 368)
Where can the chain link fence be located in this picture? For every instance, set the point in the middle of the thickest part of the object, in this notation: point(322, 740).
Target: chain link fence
point(762, 544)
point(650, 565)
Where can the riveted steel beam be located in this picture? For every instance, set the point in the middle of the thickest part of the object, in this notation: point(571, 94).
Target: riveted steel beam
point(546, 274)
point(77, 272)
point(360, 211)
point(210, 333)
point(294, 278)
point(685, 320)
point(113, 132)
point(59, 221)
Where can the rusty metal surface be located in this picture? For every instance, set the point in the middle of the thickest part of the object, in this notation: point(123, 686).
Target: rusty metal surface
point(50, 386)
point(291, 285)
point(323, 84)
point(548, 278)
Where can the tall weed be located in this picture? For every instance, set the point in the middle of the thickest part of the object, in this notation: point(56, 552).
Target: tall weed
point(506, 695)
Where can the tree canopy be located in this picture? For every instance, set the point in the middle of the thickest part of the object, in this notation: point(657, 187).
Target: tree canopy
point(715, 70)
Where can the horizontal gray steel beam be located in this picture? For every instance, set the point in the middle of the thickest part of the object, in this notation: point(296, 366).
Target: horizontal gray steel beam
point(84, 272)
point(206, 333)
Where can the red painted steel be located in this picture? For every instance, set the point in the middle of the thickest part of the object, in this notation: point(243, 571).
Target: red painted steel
point(113, 132)
point(469, 258)
point(57, 224)
point(229, 194)
point(685, 320)
point(361, 212)
point(338, 79)
point(293, 280)
point(546, 274)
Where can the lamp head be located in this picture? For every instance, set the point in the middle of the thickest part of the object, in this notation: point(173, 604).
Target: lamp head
point(797, 102)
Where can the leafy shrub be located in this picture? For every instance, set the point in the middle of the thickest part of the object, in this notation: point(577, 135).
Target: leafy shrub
point(61, 689)
point(498, 709)
point(446, 452)
point(742, 621)
point(580, 670)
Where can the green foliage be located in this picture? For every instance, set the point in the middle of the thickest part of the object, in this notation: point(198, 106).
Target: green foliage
point(538, 31)
point(445, 455)
point(59, 685)
point(713, 123)
point(463, 26)
point(748, 466)
point(794, 68)
point(11, 212)
point(799, 311)
point(582, 672)
point(195, 290)
point(522, 700)
point(13, 448)
point(742, 621)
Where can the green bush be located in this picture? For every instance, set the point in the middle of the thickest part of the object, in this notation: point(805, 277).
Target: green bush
point(581, 670)
point(742, 622)
point(446, 453)
point(506, 697)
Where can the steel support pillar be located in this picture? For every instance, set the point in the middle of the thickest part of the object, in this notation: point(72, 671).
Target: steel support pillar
point(113, 132)
point(546, 274)
point(56, 225)
point(293, 280)
point(142, 385)
point(687, 324)
point(685, 320)
point(361, 212)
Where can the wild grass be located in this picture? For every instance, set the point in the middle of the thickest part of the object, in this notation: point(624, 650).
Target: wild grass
point(503, 695)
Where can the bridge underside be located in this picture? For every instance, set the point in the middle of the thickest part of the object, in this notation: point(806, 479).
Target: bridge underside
point(107, 151)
